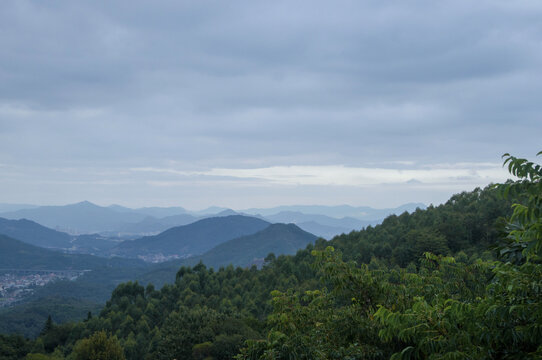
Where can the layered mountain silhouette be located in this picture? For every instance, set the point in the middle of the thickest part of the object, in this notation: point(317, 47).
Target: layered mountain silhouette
point(120, 221)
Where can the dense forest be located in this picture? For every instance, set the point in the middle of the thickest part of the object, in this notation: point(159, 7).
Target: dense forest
point(462, 280)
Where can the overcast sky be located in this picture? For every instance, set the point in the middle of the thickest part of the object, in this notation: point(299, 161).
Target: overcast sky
point(264, 103)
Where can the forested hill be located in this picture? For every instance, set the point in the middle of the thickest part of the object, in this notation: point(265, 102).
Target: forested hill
point(242, 251)
point(192, 239)
point(316, 305)
point(467, 223)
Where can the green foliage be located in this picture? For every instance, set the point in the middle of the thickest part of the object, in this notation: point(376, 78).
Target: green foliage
point(505, 322)
point(525, 225)
point(28, 319)
point(48, 325)
point(56, 355)
point(13, 347)
point(99, 346)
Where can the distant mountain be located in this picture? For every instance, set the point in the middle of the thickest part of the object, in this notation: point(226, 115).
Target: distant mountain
point(34, 234)
point(83, 217)
point(179, 220)
point(15, 207)
point(192, 239)
point(15, 254)
point(151, 225)
point(213, 210)
point(340, 211)
point(227, 212)
point(320, 225)
point(147, 226)
point(280, 239)
point(345, 224)
point(116, 220)
point(156, 212)
point(325, 231)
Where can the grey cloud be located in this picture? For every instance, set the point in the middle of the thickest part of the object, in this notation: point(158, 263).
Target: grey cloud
point(213, 83)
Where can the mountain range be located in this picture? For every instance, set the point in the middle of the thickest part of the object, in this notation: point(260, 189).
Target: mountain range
point(218, 241)
point(119, 221)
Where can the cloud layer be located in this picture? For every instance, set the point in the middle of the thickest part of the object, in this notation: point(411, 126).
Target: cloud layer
point(303, 94)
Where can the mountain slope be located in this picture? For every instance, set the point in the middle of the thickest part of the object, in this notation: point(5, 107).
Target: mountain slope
point(34, 233)
point(280, 239)
point(191, 239)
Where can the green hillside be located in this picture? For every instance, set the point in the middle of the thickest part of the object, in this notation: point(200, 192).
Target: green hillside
point(279, 239)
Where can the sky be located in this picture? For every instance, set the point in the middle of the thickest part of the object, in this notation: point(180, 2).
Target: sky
point(264, 103)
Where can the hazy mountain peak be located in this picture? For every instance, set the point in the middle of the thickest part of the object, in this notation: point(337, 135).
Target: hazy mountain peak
point(227, 212)
point(85, 203)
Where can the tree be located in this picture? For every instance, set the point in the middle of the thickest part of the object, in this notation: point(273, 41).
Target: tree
point(99, 346)
point(47, 326)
